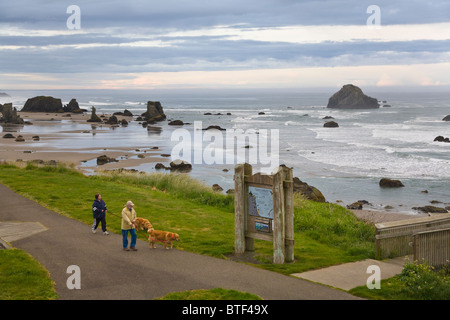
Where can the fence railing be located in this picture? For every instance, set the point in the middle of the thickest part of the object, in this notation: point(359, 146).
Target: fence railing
point(432, 247)
point(394, 239)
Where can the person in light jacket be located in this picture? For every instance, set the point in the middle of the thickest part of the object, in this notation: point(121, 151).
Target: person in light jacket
point(99, 212)
point(128, 226)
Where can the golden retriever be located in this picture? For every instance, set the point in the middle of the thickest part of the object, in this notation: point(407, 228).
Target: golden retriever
point(166, 238)
point(142, 224)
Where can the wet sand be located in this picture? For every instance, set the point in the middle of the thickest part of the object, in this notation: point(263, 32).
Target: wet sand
point(51, 131)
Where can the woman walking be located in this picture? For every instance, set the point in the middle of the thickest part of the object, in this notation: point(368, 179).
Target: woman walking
point(99, 212)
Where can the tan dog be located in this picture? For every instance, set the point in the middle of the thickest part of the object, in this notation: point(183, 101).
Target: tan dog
point(166, 238)
point(142, 224)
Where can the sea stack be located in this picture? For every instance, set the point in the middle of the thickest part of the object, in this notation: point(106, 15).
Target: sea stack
point(9, 114)
point(154, 112)
point(43, 104)
point(352, 97)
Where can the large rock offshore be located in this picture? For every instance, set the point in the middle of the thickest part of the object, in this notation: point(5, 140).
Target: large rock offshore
point(43, 104)
point(352, 97)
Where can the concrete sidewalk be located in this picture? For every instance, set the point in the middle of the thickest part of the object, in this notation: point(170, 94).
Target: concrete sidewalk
point(351, 275)
point(108, 272)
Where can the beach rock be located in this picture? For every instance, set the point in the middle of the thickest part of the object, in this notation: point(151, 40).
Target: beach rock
point(43, 104)
point(180, 165)
point(9, 115)
point(328, 118)
point(101, 160)
point(331, 124)
point(73, 107)
point(261, 113)
point(8, 136)
point(160, 166)
point(176, 123)
point(36, 138)
point(430, 209)
point(20, 139)
point(351, 97)
point(217, 188)
point(154, 112)
point(112, 120)
point(358, 205)
point(309, 192)
point(125, 113)
point(124, 122)
point(207, 114)
point(215, 128)
point(387, 106)
point(94, 117)
point(390, 183)
point(447, 118)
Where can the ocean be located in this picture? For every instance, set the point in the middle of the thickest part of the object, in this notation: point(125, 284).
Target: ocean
point(344, 163)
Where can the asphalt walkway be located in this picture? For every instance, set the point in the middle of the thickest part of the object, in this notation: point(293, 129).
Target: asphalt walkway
point(108, 272)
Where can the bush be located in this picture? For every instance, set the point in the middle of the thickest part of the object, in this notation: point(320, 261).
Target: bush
point(424, 282)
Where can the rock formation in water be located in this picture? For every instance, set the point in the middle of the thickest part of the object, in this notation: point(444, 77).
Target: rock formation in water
point(43, 104)
point(94, 116)
point(73, 107)
point(154, 112)
point(351, 97)
point(309, 192)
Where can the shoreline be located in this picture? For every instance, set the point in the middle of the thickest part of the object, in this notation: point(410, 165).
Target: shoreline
point(60, 129)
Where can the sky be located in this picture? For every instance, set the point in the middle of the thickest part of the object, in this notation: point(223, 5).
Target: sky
point(147, 44)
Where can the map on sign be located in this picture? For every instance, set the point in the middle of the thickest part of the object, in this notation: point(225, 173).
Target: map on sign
point(260, 202)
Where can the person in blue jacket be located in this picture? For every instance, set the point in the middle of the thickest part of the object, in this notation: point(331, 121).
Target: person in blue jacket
point(99, 212)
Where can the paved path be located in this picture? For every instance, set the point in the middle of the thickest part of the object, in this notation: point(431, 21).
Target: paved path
point(351, 275)
point(107, 272)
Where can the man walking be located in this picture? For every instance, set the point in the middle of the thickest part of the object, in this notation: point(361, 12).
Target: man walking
point(99, 212)
point(128, 225)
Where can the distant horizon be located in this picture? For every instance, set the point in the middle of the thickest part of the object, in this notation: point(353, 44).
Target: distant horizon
point(173, 45)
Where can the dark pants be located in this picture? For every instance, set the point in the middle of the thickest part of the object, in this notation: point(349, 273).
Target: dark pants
point(97, 221)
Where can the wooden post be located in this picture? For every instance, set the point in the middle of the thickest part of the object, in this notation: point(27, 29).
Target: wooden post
point(278, 218)
point(241, 207)
point(289, 213)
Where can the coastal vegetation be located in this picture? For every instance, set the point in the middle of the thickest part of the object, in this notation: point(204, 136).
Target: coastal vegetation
point(325, 234)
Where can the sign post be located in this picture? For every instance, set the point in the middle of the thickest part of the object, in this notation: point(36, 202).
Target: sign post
point(264, 210)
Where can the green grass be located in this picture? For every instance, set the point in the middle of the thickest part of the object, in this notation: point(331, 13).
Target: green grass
point(325, 234)
point(416, 282)
point(23, 278)
point(213, 294)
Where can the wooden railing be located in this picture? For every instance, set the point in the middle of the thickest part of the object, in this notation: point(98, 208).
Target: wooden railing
point(432, 247)
point(394, 239)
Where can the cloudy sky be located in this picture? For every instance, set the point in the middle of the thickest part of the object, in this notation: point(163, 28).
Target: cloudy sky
point(146, 44)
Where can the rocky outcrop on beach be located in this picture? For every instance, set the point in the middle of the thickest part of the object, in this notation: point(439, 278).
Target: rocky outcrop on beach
point(94, 116)
point(214, 128)
point(112, 120)
point(104, 159)
point(125, 113)
point(73, 107)
point(154, 112)
point(309, 192)
point(352, 97)
point(447, 118)
point(176, 123)
point(430, 209)
point(175, 165)
point(9, 114)
point(390, 183)
point(43, 104)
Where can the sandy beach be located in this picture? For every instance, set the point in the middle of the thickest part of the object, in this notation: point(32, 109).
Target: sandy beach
point(51, 131)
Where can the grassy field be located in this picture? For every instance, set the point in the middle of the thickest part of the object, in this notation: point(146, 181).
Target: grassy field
point(213, 294)
point(23, 278)
point(325, 234)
